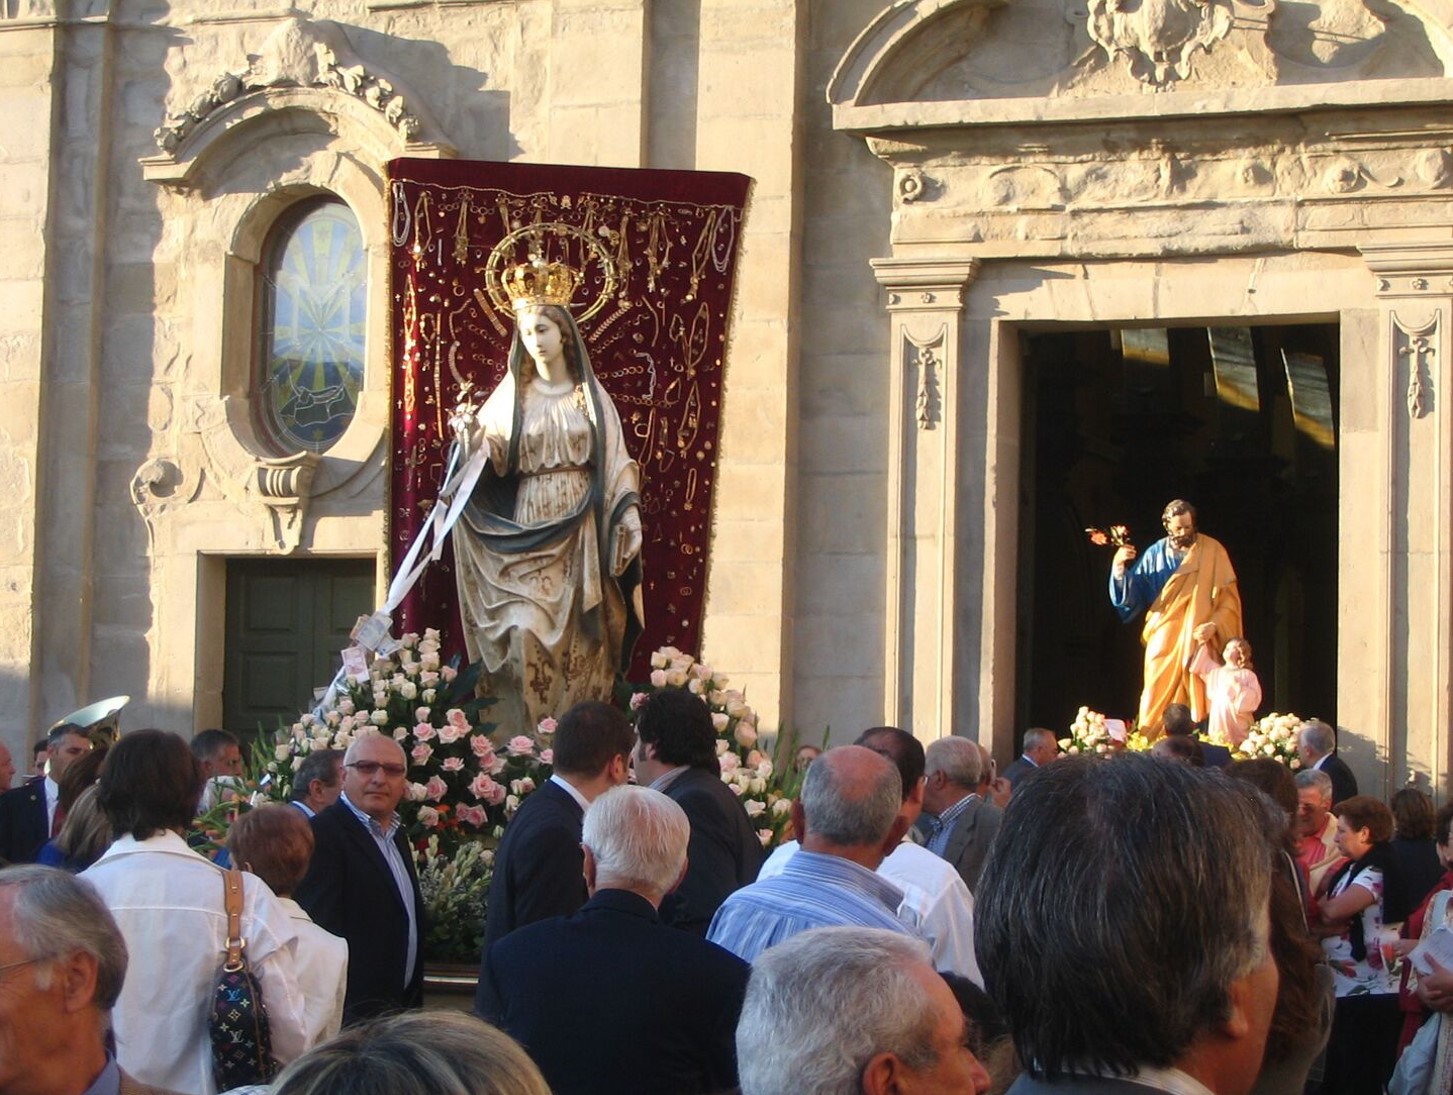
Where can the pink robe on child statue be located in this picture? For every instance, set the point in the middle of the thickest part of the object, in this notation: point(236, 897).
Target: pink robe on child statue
point(1232, 694)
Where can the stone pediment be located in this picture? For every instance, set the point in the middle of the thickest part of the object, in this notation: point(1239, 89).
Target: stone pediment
point(1035, 60)
point(1047, 128)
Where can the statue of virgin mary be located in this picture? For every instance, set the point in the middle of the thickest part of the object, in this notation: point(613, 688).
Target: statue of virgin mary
point(547, 549)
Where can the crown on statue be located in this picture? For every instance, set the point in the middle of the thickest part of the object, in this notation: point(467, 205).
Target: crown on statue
point(530, 284)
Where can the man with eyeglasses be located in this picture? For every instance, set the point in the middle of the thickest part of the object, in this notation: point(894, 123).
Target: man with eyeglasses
point(62, 963)
point(362, 886)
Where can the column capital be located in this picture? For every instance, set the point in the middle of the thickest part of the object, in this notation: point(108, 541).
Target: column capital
point(1411, 269)
point(925, 284)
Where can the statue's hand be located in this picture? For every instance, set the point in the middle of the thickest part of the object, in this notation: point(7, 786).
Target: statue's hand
point(1123, 555)
point(1204, 633)
point(627, 541)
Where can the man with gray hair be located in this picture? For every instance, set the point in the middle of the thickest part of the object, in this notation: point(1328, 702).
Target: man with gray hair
point(957, 824)
point(853, 1011)
point(1317, 850)
point(1124, 948)
point(1317, 747)
point(1040, 747)
point(576, 989)
point(318, 782)
point(849, 816)
point(63, 961)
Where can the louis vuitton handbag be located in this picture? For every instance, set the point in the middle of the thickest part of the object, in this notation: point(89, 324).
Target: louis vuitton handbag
point(241, 1040)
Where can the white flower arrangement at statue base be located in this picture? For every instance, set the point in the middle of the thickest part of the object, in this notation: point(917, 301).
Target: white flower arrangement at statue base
point(1274, 736)
point(742, 750)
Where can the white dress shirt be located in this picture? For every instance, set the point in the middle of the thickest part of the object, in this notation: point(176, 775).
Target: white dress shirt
point(933, 891)
point(169, 903)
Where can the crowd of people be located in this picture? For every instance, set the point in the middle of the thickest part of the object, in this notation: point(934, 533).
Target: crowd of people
point(1177, 921)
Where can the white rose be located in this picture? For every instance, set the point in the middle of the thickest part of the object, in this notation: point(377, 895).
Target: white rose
point(719, 722)
point(675, 677)
point(379, 717)
point(755, 807)
point(283, 752)
point(746, 734)
point(782, 807)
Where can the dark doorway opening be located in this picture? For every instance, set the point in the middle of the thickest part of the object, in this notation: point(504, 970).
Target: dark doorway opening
point(287, 619)
point(1241, 422)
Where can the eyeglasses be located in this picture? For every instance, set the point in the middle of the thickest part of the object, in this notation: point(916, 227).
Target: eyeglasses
point(370, 768)
point(8, 967)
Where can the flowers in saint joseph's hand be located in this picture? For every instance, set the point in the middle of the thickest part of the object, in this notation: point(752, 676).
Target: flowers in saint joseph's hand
point(1115, 536)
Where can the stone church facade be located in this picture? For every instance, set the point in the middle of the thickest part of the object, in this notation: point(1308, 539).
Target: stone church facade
point(947, 192)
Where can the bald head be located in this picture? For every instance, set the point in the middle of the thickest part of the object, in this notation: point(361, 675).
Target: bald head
point(850, 800)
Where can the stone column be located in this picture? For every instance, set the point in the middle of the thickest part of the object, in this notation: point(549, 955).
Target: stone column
point(925, 307)
point(27, 77)
point(1405, 621)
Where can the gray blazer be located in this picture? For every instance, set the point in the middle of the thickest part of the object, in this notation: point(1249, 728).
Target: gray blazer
point(968, 844)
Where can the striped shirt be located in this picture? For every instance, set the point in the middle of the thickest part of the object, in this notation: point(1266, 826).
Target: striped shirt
point(813, 891)
point(942, 827)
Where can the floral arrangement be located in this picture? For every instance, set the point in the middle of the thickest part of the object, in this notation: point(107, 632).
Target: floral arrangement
point(764, 784)
point(464, 780)
point(1274, 736)
point(1089, 735)
point(455, 889)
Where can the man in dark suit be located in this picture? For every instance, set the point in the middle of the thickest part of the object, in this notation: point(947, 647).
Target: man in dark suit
point(956, 823)
point(28, 813)
point(676, 755)
point(1040, 747)
point(1125, 950)
point(539, 870)
point(1317, 745)
point(608, 1000)
point(361, 884)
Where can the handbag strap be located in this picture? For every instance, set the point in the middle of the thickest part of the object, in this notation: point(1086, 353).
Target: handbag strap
point(232, 893)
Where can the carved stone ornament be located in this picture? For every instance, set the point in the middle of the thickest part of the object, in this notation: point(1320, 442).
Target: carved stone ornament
point(1158, 38)
point(285, 485)
point(1417, 345)
point(299, 53)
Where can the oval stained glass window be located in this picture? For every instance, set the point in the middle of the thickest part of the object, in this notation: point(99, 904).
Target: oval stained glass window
point(313, 296)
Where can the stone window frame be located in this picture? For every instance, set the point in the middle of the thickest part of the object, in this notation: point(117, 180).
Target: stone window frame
point(242, 370)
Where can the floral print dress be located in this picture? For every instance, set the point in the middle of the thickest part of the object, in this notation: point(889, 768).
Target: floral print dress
point(1368, 975)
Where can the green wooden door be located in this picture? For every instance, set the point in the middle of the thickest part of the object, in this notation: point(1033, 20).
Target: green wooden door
point(287, 619)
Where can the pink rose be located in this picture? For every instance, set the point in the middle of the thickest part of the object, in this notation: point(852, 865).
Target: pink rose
point(447, 673)
point(547, 756)
point(449, 733)
point(472, 815)
point(453, 764)
point(422, 753)
point(456, 717)
point(638, 700)
point(547, 725)
point(421, 714)
point(428, 817)
point(658, 678)
point(435, 789)
point(482, 748)
point(487, 790)
point(521, 746)
point(424, 732)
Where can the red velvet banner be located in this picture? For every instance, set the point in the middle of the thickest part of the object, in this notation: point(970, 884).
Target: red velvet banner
point(657, 346)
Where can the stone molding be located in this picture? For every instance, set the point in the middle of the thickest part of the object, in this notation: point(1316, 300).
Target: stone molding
point(302, 66)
